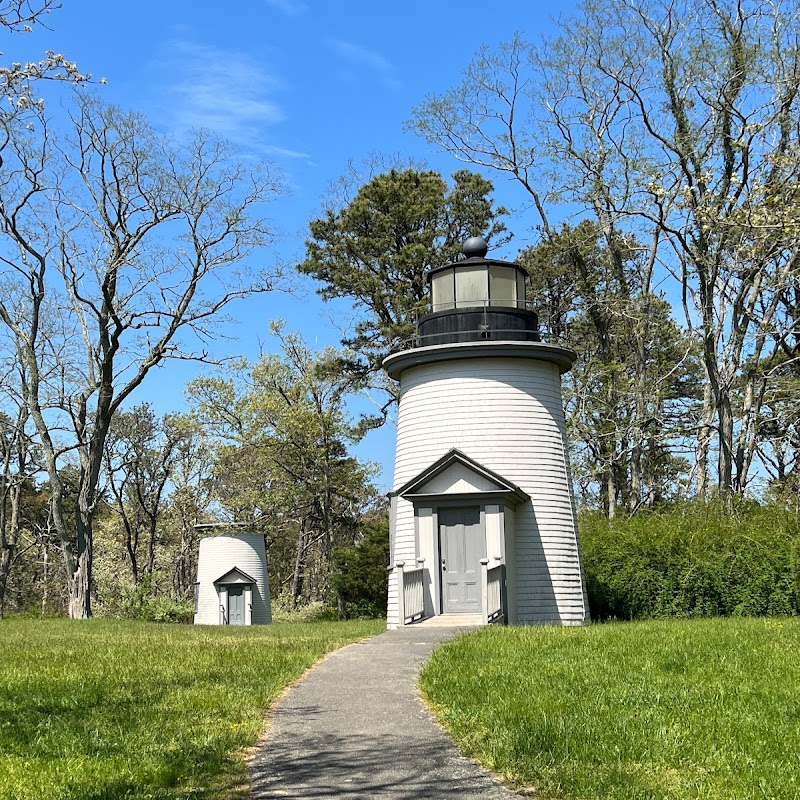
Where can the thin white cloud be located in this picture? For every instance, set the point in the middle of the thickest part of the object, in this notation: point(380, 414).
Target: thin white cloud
point(291, 8)
point(285, 152)
point(221, 90)
point(362, 57)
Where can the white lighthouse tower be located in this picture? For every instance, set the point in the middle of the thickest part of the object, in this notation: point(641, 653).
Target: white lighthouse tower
point(483, 524)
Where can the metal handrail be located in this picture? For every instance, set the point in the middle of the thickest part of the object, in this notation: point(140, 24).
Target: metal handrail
point(462, 305)
point(483, 332)
point(496, 334)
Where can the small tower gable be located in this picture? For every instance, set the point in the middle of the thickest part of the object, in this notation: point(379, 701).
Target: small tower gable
point(234, 576)
point(456, 475)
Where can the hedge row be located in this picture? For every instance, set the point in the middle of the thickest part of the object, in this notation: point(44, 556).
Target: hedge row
point(692, 561)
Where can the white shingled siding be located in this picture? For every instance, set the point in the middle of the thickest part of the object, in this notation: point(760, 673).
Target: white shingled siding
point(506, 414)
point(509, 526)
point(219, 555)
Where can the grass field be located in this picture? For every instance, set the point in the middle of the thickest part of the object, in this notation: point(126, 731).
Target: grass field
point(102, 710)
point(670, 709)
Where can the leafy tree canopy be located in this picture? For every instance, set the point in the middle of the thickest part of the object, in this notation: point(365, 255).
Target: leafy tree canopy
point(377, 250)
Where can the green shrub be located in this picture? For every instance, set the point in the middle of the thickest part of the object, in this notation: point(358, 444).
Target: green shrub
point(360, 578)
point(283, 610)
point(139, 603)
point(692, 561)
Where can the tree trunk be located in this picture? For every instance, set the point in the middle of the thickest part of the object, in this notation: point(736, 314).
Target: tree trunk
point(704, 442)
point(341, 606)
point(79, 580)
point(644, 393)
point(186, 568)
point(611, 493)
point(151, 543)
point(725, 416)
point(635, 498)
point(45, 578)
point(132, 546)
point(80, 605)
point(7, 545)
point(10, 538)
point(6, 555)
point(15, 450)
point(299, 565)
point(745, 447)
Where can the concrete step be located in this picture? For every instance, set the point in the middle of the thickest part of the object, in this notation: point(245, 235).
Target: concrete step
point(451, 621)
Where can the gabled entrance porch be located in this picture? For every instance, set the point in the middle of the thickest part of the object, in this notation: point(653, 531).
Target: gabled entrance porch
point(463, 525)
point(235, 589)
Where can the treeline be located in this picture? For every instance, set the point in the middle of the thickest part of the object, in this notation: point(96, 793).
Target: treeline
point(665, 132)
point(121, 249)
point(669, 128)
point(264, 445)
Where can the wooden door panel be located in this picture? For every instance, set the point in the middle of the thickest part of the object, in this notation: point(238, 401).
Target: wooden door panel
point(236, 605)
point(461, 539)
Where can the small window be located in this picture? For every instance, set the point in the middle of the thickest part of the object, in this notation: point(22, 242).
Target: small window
point(471, 286)
point(442, 290)
point(502, 286)
point(196, 597)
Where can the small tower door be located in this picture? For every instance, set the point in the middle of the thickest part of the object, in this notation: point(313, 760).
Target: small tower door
point(236, 605)
point(462, 544)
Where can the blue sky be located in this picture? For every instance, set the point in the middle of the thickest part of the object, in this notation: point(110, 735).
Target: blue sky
point(308, 85)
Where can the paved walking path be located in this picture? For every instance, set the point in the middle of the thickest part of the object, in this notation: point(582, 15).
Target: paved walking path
point(356, 728)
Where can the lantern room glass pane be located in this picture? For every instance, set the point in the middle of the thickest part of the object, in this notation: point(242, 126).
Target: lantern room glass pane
point(521, 294)
point(502, 286)
point(442, 290)
point(472, 287)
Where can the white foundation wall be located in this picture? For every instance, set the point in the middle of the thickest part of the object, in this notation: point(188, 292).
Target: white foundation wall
point(220, 554)
point(506, 414)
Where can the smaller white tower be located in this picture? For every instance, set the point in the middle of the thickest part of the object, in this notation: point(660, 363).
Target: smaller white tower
point(482, 520)
point(232, 584)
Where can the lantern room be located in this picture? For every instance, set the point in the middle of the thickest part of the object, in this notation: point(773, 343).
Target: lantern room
point(477, 281)
point(476, 299)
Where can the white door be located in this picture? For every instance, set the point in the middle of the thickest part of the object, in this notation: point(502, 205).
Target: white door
point(461, 543)
point(236, 605)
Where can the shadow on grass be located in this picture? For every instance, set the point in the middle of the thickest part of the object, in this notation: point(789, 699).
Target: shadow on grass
point(193, 773)
point(123, 790)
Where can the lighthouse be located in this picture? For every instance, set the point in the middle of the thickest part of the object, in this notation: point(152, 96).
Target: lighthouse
point(482, 518)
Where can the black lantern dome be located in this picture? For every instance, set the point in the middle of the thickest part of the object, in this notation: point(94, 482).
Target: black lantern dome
point(477, 298)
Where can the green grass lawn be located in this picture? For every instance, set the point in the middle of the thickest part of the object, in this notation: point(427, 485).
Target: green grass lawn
point(670, 709)
point(101, 710)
